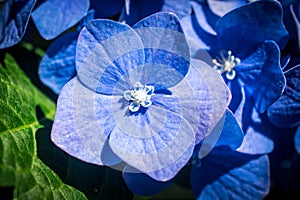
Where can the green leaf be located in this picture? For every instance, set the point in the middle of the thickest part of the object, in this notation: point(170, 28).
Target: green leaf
point(20, 166)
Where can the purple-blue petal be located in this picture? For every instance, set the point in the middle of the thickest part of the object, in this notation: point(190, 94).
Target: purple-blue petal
point(14, 16)
point(154, 139)
point(243, 29)
point(204, 100)
point(167, 57)
point(226, 132)
point(285, 112)
point(227, 174)
point(57, 66)
point(220, 7)
point(53, 17)
point(82, 124)
point(200, 33)
point(262, 75)
point(257, 131)
point(109, 56)
point(232, 134)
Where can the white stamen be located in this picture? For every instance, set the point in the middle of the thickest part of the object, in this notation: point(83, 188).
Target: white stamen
point(226, 63)
point(140, 96)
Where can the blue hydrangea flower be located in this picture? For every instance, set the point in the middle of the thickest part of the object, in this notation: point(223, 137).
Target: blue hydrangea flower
point(137, 98)
point(246, 51)
point(57, 66)
point(14, 16)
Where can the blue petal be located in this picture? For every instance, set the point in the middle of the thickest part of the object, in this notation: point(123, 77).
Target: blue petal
point(57, 66)
point(297, 140)
point(139, 9)
point(14, 16)
point(82, 124)
point(84, 21)
point(200, 33)
point(141, 184)
point(227, 132)
point(257, 133)
point(55, 16)
point(206, 19)
point(203, 100)
point(166, 50)
point(262, 75)
point(153, 139)
point(220, 7)
point(180, 8)
point(227, 174)
point(236, 92)
point(232, 134)
point(106, 9)
point(109, 57)
point(245, 28)
point(285, 112)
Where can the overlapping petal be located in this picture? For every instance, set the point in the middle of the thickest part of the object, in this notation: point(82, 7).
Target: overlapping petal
point(167, 58)
point(109, 57)
point(199, 30)
point(262, 75)
point(14, 16)
point(220, 7)
point(57, 66)
point(82, 124)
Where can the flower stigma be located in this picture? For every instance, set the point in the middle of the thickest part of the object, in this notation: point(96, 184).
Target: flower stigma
point(140, 96)
point(226, 63)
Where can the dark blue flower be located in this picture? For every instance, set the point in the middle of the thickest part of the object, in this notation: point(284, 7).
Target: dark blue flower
point(246, 50)
point(137, 97)
point(14, 16)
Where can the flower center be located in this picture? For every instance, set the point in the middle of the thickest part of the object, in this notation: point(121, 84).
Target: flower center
point(226, 63)
point(139, 96)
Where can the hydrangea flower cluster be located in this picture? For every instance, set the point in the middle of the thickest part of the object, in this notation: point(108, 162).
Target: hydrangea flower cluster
point(146, 103)
point(196, 93)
